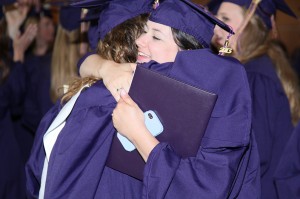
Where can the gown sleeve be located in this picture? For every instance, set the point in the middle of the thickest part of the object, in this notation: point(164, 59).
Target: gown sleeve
point(78, 157)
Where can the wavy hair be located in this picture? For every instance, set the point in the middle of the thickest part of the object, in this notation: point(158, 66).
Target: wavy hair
point(117, 45)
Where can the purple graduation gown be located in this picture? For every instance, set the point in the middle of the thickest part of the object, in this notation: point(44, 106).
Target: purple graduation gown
point(226, 166)
point(287, 175)
point(12, 180)
point(26, 95)
point(24, 99)
point(271, 122)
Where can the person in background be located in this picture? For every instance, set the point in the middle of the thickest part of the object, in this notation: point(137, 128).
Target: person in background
point(272, 81)
point(27, 94)
point(13, 43)
point(227, 158)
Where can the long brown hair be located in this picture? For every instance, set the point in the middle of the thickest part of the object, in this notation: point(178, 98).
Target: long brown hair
point(118, 45)
point(254, 41)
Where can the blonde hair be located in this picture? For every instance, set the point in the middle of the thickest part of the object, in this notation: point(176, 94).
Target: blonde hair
point(118, 45)
point(253, 42)
point(64, 59)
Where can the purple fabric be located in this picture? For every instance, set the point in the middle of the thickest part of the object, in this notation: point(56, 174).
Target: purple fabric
point(119, 11)
point(170, 11)
point(12, 181)
point(69, 17)
point(287, 176)
point(272, 124)
point(37, 99)
point(25, 97)
point(265, 9)
point(226, 164)
point(88, 3)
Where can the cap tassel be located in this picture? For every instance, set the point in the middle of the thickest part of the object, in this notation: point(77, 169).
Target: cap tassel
point(226, 49)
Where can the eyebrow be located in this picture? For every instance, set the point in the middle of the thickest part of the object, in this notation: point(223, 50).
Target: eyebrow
point(158, 30)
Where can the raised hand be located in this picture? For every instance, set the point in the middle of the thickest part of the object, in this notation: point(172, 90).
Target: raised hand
point(15, 18)
point(22, 42)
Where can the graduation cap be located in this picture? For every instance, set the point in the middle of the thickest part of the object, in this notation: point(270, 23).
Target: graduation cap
point(188, 17)
point(6, 2)
point(89, 3)
point(265, 8)
point(119, 11)
point(69, 17)
point(45, 11)
point(94, 8)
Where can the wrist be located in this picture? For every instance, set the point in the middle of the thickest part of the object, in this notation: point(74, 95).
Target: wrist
point(145, 143)
point(18, 57)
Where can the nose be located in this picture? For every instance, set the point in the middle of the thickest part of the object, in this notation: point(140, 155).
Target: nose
point(217, 30)
point(141, 41)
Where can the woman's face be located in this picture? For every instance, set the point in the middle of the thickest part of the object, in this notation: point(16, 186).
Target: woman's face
point(157, 44)
point(46, 29)
point(232, 15)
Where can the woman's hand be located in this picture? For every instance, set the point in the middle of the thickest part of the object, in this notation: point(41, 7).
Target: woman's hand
point(15, 17)
point(22, 42)
point(115, 76)
point(129, 120)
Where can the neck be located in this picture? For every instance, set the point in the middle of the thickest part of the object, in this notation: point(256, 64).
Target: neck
point(40, 48)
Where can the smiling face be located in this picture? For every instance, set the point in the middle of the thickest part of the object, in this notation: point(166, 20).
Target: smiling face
point(156, 43)
point(232, 15)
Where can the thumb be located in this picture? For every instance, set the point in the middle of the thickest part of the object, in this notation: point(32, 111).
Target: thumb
point(125, 97)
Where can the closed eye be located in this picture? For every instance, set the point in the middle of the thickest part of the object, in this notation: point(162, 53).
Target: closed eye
point(225, 19)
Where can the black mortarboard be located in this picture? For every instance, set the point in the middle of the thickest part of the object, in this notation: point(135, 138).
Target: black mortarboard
point(188, 17)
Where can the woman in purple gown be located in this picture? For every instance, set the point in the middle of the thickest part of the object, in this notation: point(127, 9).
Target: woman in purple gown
point(226, 164)
point(272, 82)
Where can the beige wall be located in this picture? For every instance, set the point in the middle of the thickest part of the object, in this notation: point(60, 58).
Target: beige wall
point(288, 27)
